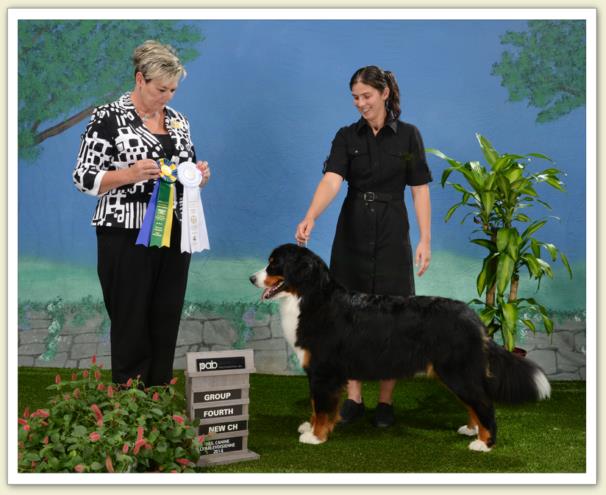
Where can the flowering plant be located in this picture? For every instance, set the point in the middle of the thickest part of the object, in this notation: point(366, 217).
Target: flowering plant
point(95, 426)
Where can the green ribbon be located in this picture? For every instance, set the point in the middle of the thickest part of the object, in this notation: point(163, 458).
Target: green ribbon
point(163, 208)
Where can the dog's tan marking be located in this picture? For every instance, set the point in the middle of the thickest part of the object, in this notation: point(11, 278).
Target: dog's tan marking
point(431, 373)
point(271, 280)
point(306, 359)
point(483, 433)
point(473, 419)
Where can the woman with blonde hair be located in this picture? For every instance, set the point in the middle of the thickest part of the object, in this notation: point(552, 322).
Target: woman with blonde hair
point(118, 163)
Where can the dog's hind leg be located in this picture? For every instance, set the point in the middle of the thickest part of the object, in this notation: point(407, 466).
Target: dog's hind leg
point(481, 411)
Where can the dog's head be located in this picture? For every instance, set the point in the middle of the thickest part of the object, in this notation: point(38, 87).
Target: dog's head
point(293, 270)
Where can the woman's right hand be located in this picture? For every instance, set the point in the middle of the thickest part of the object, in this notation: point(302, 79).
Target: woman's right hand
point(304, 229)
point(144, 170)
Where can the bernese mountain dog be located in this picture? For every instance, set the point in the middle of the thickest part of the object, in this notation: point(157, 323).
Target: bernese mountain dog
point(339, 335)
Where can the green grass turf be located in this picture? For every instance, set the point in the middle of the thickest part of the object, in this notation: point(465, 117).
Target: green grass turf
point(544, 437)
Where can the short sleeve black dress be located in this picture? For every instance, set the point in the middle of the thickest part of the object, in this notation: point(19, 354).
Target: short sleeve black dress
point(371, 251)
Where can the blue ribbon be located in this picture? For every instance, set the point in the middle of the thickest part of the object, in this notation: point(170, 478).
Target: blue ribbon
point(148, 221)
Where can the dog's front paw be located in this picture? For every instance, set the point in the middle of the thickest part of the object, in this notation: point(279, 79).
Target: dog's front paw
point(479, 446)
point(309, 437)
point(304, 427)
point(467, 431)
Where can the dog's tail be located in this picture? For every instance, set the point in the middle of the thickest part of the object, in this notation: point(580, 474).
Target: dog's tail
point(514, 379)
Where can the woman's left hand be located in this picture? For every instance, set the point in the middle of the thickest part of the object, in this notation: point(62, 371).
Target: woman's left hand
point(205, 171)
point(423, 257)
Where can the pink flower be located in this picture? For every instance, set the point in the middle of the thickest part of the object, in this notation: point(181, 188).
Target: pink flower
point(138, 445)
point(140, 431)
point(178, 419)
point(94, 359)
point(183, 462)
point(97, 375)
point(100, 387)
point(110, 391)
point(125, 448)
point(108, 464)
point(40, 413)
point(174, 381)
point(57, 379)
point(98, 414)
point(94, 436)
point(22, 421)
point(79, 468)
point(45, 440)
point(156, 397)
point(201, 438)
point(27, 427)
point(76, 393)
point(26, 412)
point(129, 383)
point(85, 374)
point(74, 377)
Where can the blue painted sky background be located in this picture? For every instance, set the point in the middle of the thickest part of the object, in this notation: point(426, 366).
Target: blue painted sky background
point(265, 99)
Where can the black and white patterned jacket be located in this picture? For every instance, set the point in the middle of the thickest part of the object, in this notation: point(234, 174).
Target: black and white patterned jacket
point(114, 139)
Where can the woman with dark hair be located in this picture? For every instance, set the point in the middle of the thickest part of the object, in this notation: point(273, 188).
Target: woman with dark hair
point(379, 155)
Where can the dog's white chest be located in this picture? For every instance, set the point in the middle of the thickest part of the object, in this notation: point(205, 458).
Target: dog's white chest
point(289, 316)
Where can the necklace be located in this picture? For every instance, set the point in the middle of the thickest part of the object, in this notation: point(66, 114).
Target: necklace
point(145, 118)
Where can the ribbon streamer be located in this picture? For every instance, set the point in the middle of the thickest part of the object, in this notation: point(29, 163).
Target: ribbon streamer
point(158, 220)
point(194, 236)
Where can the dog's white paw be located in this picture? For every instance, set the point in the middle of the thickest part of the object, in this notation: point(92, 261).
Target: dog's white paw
point(309, 437)
point(467, 431)
point(304, 427)
point(479, 446)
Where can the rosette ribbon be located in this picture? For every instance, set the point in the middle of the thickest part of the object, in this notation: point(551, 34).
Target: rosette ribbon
point(158, 220)
point(194, 236)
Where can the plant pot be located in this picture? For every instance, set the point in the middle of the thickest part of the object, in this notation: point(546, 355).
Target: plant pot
point(519, 351)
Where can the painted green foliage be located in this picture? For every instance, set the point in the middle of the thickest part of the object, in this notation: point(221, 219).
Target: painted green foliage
point(68, 67)
point(546, 67)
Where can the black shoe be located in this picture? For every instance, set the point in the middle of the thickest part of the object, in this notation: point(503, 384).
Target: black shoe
point(351, 411)
point(383, 417)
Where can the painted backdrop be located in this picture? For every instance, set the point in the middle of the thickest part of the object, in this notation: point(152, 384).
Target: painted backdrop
point(265, 99)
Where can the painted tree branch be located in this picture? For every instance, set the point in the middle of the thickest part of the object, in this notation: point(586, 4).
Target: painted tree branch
point(63, 126)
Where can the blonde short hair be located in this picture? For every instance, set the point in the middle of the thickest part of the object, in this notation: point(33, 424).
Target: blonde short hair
point(157, 61)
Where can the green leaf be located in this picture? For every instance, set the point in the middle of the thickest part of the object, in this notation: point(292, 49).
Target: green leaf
point(547, 323)
point(553, 251)
point(540, 155)
point(451, 211)
point(488, 201)
point(566, 264)
point(545, 267)
point(555, 183)
point(532, 228)
point(520, 217)
point(491, 246)
point(530, 325)
point(503, 236)
point(490, 153)
point(504, 272)
point(510, 316)
point(533, 266)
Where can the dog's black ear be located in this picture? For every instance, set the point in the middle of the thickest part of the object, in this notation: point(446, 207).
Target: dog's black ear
point(306, 271)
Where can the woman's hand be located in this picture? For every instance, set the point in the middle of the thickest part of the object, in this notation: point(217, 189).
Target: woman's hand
point(423, 257)
point(205, 171)
point(304, 229)
point(144, 170)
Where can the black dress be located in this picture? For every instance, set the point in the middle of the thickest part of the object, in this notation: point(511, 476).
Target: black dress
point(371, 251)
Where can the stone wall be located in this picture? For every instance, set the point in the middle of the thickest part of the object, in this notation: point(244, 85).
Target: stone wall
point(561, 355)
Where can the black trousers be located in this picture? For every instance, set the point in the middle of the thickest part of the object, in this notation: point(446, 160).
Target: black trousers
point(143, 290)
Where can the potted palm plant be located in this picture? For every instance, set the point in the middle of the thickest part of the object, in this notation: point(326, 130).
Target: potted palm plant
point(498, 197)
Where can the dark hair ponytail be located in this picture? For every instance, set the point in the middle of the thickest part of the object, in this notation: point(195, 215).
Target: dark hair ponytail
point(377, 78)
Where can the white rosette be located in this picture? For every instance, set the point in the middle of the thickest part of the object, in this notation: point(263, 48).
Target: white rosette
point(194, 237)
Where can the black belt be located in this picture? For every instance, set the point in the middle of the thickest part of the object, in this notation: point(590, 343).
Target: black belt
point(370, 196)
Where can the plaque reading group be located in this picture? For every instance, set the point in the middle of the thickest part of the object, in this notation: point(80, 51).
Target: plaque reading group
point(217, 389)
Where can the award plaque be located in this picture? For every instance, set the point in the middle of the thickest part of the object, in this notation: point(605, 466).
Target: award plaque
point(217, 393)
